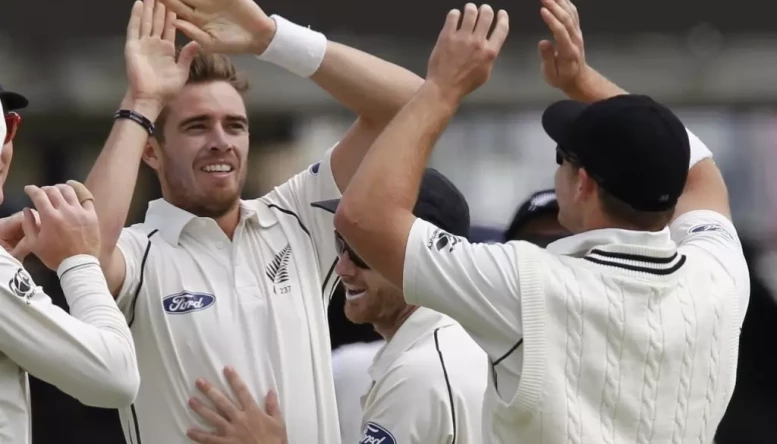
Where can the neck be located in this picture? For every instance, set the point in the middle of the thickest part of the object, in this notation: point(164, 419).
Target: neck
point(389, 328)
point(228, 222)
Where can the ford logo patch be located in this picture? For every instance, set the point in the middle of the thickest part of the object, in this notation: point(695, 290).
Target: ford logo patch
point(375, 434)
point(186, 302)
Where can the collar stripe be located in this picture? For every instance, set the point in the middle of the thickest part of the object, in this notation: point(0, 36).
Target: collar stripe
point(637, 268)
point(635, 257)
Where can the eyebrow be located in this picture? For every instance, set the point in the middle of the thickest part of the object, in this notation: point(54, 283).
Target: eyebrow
point(204, 118)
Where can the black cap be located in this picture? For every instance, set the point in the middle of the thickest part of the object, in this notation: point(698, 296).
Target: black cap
point(632, 146)
point(439, 202)
point(12, 100)
point(541, 203)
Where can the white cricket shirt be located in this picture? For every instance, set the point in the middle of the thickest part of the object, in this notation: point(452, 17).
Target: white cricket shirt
point(427, 387)
point(350, 367)
point(611, 336)
point(197, 302)
point(87, 354)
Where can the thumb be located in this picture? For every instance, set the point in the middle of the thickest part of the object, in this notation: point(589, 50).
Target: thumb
point(22, 249)
point(188, 53)
point(30, 226)
point(547, 51)
point(271, 405)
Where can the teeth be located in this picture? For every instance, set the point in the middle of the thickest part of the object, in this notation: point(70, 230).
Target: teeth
point(217, 168)
point(354, 294)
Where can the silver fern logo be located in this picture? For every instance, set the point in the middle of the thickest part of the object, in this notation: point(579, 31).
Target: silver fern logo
point(278, 271)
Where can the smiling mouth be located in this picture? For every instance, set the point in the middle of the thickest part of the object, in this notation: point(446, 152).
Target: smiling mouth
point(217, 168)
point(352, 293)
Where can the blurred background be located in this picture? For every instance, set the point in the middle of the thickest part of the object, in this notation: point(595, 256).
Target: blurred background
point(713, 62)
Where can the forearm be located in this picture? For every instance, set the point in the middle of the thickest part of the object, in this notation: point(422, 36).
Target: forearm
point(593, 87)
point(89, 355)
point(372, 88)
point(378, 203)
point(114, 175)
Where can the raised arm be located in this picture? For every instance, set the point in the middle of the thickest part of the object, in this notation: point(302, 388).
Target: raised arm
point(154, 75)
point(375, 215)
point(564, 67)
point(372, 88)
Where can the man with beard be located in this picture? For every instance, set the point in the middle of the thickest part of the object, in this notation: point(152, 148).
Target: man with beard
point(209, 279)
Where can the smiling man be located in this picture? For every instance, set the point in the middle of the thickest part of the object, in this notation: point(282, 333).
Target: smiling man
point(209, 279)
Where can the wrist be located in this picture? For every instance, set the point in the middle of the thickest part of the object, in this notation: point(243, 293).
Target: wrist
point(262, 35)
point(447, 98)
point(149, 108)
point(297, 49)
point(76, 261)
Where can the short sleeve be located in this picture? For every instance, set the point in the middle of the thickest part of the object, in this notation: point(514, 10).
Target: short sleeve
point(132, 243)
point(295, 197)
point(407, 408)
point(475, 284)
point(714, 235)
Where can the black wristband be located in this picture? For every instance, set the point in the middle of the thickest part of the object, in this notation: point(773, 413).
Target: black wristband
point(136, 117)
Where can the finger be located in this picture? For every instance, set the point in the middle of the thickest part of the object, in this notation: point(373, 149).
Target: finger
point(69, 194)
point(30, 227)
point(564, 45)
point(556, 8)
point(573, 23)
point(485, 20)
point(133, 28)
point(239, 388)
point(22, 249)
point(160, 16)
point(84, 196)
point(147, 20)
point(572, 10)
point(187, 55)
point(224, 405)
point(181, 9)
point(547, 51)
point(56, 198)
point(169, 32)
point(451, 21)
point(501, 30)
point(208, 414)
point(470, 17)
point(203, 437)
point(272, 406)
point(39, 199)
point(192, 31)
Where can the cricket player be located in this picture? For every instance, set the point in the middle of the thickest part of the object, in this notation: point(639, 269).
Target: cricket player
point(536, 220)
point(208, 279)
point(428, 380)
point(625, 332)
point(89, 353)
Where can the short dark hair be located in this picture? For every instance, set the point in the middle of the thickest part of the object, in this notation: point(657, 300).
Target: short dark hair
point(629, 217)
point(207, 67)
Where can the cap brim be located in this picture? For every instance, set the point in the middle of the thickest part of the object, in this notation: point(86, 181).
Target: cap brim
point(558, 118)
point(328, 205)
point(12, 100)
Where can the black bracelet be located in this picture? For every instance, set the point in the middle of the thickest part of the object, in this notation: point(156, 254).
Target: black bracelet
point(136, 117)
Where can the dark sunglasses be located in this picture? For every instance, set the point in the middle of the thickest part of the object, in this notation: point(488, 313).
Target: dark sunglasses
point(343, 247)
point(562, 156)
point(12, 121)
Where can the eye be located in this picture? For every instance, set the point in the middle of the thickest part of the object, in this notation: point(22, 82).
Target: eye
point(196, 127)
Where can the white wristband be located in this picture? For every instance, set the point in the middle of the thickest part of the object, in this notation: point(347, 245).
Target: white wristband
point(699, 150)
point(295, 48)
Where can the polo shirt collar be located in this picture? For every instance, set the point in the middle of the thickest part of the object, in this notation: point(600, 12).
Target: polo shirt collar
point(171, 220)
point(648, 243)
point(418, 326)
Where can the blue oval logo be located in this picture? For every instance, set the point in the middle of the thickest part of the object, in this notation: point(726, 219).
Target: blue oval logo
point(375, 434)
point(187, 302)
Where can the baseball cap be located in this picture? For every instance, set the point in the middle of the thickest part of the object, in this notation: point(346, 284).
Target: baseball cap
point(439, 202)
point(11, 100)
point(540, 203)
point(632, 146)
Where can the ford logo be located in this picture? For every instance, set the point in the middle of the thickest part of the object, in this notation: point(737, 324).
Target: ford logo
point(186, 302)
point(375, 434)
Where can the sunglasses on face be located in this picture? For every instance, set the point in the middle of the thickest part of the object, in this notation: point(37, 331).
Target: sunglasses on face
point(562, 156)
point(343, 247)
point(12, 121)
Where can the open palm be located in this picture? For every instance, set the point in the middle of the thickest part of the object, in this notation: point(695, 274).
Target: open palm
point(154, 69)
point(225, 26)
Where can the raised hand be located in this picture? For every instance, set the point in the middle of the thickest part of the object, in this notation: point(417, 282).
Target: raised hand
point(245, 423)
point(563, 61)
point(225, 26)
point(66, 224)
point(464, 54)
point(155, 73)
